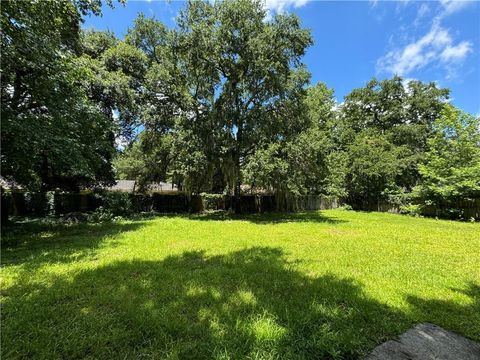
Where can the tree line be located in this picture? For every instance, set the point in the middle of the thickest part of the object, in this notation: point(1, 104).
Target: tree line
point(219, 101)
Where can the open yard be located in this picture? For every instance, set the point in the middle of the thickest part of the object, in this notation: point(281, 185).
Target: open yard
point(330, 284)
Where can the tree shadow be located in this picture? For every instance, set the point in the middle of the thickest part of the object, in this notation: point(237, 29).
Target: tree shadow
point(455, 317)
point(246, 304)
point(268, 218)
point(34, 243)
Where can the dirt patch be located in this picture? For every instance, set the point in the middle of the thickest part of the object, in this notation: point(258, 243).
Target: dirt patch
point(339, 232)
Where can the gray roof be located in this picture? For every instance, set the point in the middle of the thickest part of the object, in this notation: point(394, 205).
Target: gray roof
point(162, 186)
point(123, 185)
point(131, 186)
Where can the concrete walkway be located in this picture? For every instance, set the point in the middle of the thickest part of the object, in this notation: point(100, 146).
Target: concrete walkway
point(427, 342)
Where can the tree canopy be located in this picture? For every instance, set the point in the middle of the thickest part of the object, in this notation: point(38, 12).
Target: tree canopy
point(452, 169)
point(52, 134)
point(219, 101)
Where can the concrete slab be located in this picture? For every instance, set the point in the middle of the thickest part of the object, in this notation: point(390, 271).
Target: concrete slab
point(427, 342)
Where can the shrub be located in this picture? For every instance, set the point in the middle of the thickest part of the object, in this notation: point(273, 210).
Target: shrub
point(345, 207)
point(115, 203)
point(411, 209)
point(213, 201)
point(170, 203)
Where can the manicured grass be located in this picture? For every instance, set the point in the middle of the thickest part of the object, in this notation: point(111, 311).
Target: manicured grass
point(330, 284)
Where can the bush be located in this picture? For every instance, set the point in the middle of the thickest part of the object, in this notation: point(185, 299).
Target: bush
point(121, 204)
point(170, 203)
point(115, 203)
point(411, 209)
point(213, 201)
point(345, 207)
point(142, 203)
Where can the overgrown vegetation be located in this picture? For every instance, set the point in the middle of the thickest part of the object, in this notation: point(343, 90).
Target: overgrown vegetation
point(313, 285)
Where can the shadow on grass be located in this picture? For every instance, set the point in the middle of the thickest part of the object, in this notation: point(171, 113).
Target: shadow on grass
point(246, 304)
point(268, 218)
point(461, 318)
point(34, 242)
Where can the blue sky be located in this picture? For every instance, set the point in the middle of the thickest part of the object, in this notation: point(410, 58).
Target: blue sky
point(358, 40)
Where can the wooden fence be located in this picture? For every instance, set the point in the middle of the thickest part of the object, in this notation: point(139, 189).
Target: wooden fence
point(56, 203)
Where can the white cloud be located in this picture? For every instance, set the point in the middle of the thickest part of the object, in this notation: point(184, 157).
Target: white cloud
point(435, 48)
point(423, 10)
point(456, 53)
point(280, 6)
point(436, 45)
point(451, 6)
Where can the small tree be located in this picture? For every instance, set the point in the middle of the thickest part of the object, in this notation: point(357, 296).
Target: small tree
point(452, 168)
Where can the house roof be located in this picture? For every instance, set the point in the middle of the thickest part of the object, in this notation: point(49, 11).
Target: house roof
point(162, 186)
point(123, 185)
point(131, 186)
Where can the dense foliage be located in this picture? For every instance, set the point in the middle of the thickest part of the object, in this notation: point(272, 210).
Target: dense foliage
point(52, 135)
point(385, 127)
point(220, 103)
point(451, 174)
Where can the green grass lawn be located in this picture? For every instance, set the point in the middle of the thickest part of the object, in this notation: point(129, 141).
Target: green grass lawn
point(330, 284)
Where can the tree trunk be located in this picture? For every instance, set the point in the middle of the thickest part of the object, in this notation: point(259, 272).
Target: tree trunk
point(238, 208)
point(238, 149)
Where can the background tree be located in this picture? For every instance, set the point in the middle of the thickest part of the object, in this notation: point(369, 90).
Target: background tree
point(259, 77)
point(224, 85)
point(374, 166)
point(451, 172)
point(166, 106)
point(114, 77)
point(52, 134)
point(391, 120)
point(309, 162)
point(329, 177)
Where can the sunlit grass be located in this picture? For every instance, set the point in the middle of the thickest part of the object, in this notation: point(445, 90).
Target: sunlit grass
point(330, 284)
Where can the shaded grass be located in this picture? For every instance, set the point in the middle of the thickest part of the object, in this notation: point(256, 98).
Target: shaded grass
point(330, 284)
point(266, 218)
